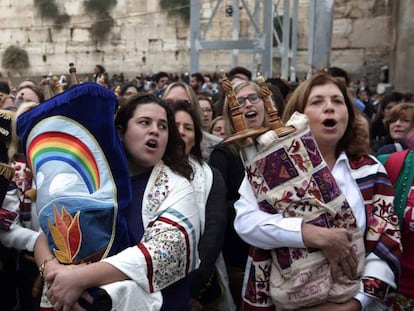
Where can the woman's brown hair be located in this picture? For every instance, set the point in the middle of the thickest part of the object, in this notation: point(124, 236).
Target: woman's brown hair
point(299, 99)
point(401, 110)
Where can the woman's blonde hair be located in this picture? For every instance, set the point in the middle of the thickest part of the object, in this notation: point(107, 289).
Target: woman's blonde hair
point(188, 90)
point(214, 121)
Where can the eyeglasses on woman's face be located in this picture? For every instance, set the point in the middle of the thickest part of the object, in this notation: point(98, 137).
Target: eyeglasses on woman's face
point(253, 98)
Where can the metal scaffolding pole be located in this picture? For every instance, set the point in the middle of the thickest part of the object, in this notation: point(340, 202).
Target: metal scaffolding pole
point(294, 39)
point(260, 44)
point(235, 31)
point(267, 61)
point(320, 34)
point(195, 35)
point(286, 39)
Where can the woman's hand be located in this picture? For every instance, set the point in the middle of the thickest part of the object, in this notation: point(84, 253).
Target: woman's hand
point(336, 245)
point(51, 269)
point(66, 289)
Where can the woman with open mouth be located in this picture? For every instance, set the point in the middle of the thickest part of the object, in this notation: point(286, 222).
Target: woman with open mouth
point(364, 183)
point(164, 226)
point(226, 159)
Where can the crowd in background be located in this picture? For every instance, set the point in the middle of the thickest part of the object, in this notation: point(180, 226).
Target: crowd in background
point(203, 118)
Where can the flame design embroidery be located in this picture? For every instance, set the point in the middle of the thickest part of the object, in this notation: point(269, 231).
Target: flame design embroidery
point(66, 235)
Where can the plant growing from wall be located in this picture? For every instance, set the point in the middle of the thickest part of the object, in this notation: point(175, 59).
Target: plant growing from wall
point(177, 9)
point(101, 27)
point(15, 58)
point(104, 21)
point(48, 9)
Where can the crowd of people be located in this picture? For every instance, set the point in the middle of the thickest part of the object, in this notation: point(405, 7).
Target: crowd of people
point(202, 227)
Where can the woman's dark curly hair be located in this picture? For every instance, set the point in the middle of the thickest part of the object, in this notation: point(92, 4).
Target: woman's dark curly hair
point(174, 156)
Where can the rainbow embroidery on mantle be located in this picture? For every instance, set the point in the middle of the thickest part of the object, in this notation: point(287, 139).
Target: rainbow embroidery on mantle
point(50, 146)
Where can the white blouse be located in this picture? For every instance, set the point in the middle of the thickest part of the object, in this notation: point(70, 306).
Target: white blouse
point(256, 228)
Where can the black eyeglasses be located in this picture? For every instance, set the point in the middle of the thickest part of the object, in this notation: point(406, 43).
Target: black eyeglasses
point(253, 98)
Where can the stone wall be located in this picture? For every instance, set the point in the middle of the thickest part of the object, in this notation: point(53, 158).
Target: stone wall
point(144, 40)
point(362, 36)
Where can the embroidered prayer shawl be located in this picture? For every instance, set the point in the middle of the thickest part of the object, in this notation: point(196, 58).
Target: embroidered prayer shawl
point(289, 177)
point(382, 241)
point(168, 249)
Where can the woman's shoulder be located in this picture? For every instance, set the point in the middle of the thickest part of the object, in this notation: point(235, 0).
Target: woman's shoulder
point(203, 173)
point(223, 153)
point(162, 174)
point(390, 148)
point(203, 167)
point(197, 165)
point(222, 148)
point(166, 185)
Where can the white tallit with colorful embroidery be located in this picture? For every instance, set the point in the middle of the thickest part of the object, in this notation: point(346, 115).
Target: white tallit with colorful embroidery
point(168, 249)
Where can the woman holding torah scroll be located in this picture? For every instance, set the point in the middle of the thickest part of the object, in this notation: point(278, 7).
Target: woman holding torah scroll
point(365, 185)
point(163, 224)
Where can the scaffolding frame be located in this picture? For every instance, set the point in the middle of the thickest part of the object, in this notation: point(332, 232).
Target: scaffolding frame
point(260, 45)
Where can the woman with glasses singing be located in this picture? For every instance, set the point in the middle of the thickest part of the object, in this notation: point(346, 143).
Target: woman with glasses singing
point(338, 133)
point(227, 160)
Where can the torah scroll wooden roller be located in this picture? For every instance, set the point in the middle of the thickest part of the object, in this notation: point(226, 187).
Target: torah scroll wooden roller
point(275, 123)
point(272, 113)
point(239, 122)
